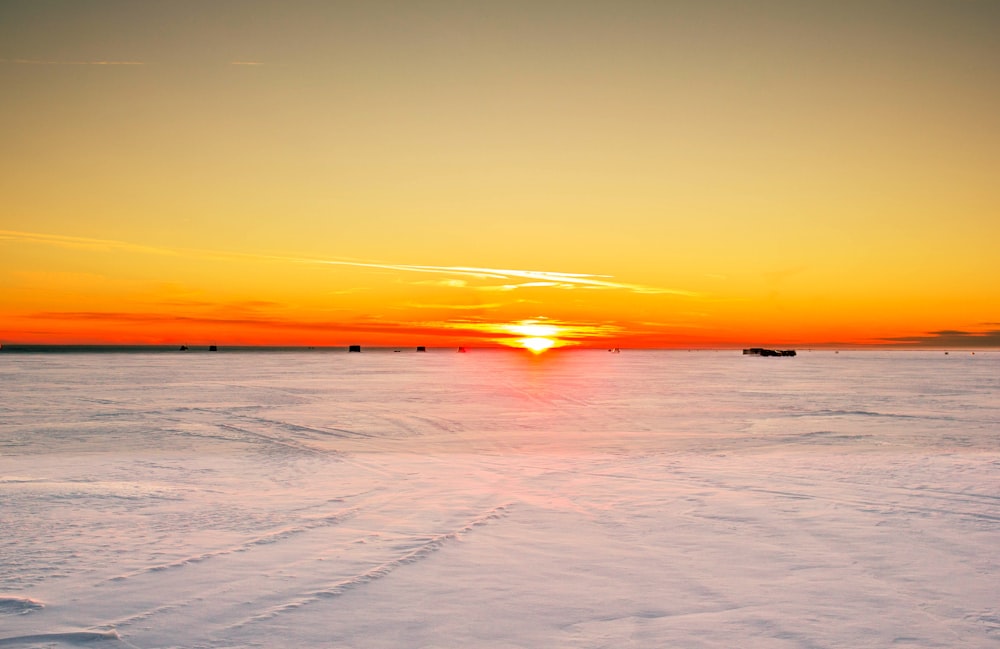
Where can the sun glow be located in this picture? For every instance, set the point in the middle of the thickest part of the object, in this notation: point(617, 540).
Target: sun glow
point(532, 329)
point(536, 344)
point(537, 336)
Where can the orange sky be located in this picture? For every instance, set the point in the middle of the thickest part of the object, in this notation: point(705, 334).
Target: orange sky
point(657, 174)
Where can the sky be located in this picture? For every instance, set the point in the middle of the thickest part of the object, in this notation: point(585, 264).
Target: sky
point(601, 174)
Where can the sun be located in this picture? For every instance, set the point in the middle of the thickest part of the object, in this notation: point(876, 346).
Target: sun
point(537, 336)
point(536, 344)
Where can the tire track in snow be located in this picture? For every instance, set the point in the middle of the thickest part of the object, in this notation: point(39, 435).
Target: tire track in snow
point(299, 428)
point(890, 495)
point(384, 569)
point(72, 637)
point(927, 496)
point(245, 430)
point(266, 539)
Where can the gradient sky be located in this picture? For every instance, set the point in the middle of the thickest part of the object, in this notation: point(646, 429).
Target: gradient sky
point(665, 174)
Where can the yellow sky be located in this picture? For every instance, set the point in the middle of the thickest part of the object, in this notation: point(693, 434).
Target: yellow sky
point(650, 173)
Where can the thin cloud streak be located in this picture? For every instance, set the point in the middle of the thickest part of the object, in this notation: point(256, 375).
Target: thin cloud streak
point(536, 278)
point(449, 328)
point(514, 287)
point(455, 307)
point(950, 338)
point(539, 278)
point(82, 242)
point(88, 243)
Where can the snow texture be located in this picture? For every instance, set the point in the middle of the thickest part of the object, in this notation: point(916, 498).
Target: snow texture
point(496, 499)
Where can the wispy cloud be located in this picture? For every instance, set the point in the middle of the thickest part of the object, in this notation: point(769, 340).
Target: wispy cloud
point(538, 278)
point(446, 328)
point(449, 283)
point(456, 274)
point(513, 287)
point(104, 245)
point(951, 338)
point(87, 243)
point(455, 307)
point(255, 316)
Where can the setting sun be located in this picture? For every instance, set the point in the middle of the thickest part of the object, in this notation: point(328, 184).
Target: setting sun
point(534, 329)
point(537, 336)
point(536, 345)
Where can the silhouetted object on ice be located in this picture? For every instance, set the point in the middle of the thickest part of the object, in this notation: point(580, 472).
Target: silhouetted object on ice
point(213, 348)
point(421, 348)
point(461, 350)
point(760, 351)
point(354, 348)
point(183, 348)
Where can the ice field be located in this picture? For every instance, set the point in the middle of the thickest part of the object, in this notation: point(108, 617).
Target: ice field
point(497, 499)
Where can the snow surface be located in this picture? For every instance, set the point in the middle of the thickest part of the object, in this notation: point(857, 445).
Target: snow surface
point(495, 499)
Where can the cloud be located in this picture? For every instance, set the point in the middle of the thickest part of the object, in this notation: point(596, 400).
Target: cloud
point(473, 329)
point(457, 307)
point(82, 242)
point(104, 245)
point(951, 338)
point(449, 283)
point(245, 63)
point(660, 327)
point(536, 278)
point(513, 287)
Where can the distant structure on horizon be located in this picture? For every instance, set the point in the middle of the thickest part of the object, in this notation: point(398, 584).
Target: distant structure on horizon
point(760, 351)
point(354, 348)
point(213, 348)
point(421, 348)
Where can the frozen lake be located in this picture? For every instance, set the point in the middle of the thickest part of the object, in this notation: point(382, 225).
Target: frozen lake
point(496, 499)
